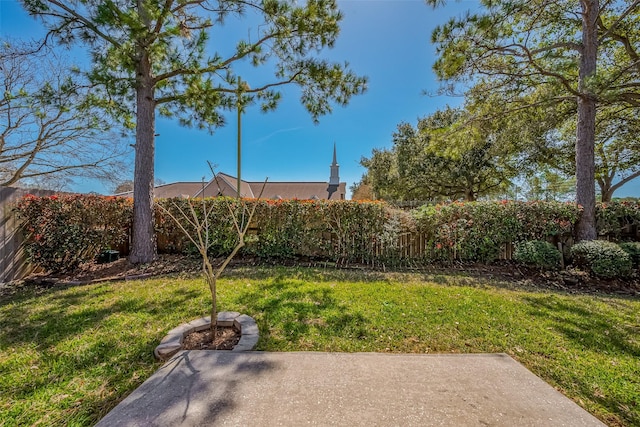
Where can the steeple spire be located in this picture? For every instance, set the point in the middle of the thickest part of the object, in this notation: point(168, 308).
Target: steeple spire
point(334, 178)
point(335, 163)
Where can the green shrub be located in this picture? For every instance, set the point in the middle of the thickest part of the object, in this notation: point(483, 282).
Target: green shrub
point(633, 249)
point(62, 231)
point(613, 217)
point(539, 253)
point(604, 259)
point(477, 231)
point(222, 234)
point(346, 230)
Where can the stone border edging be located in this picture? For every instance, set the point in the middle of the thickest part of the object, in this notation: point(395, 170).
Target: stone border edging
point(172, 342)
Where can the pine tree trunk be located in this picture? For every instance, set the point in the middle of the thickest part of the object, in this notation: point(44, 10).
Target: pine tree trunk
point(585, 163)
point(143, 245)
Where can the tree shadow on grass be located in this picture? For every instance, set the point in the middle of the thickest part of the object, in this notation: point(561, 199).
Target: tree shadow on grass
point(600, 332)
point(312, 274)
point(87, 347)
point(587, 325)
point(288, 312)
point(72, 314)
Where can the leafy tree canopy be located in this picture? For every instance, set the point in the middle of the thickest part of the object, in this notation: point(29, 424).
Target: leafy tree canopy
point(192, 77)
point(419, 166)
point(540, 138)
point(544, 53)
point(516, 47)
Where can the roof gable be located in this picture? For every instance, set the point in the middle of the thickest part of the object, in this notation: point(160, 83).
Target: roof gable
point(226, 185)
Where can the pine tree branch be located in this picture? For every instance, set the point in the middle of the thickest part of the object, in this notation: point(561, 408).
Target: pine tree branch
point(87, 23)
point(617, 22)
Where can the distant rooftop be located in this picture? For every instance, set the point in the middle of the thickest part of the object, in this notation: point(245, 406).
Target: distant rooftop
point(227, 185)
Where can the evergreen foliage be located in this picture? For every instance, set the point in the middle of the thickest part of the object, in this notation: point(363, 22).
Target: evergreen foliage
point(633, 249)
point(530, 65)
point(604, 259)
point(423, 164)
point(538, 253)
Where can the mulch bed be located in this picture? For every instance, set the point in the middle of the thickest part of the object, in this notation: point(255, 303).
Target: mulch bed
point(226, 338)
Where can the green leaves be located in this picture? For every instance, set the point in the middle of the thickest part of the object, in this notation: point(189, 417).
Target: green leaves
point(190, 73)
point(441, 159)
point(479, 231)
point(63, 231)
point(526, 62)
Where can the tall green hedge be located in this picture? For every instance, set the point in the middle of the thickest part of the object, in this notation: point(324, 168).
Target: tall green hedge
point(613, 218)
point(60, 232)
point(285, 228)
point(63, 231)
point(477, 231)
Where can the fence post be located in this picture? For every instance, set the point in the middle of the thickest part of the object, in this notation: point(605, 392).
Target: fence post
point(13, 260)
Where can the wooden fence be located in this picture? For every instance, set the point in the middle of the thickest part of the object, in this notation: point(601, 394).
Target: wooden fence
point(13, 262)
point(414, 246)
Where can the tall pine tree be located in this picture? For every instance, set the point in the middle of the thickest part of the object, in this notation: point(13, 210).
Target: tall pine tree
point(151, 56)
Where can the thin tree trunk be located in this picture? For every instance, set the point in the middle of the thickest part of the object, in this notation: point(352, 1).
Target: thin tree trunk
point(143, 247)
point(212, 279)
point(607, 195)
point(585, 159)
point(606, 190)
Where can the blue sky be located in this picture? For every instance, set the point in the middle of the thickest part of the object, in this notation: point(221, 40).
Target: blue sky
point(388, 41)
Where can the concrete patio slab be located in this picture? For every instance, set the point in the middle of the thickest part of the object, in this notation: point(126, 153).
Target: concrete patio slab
point(203, 388)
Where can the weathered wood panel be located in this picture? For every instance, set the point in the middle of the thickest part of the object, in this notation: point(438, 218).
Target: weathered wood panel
point(13, 261)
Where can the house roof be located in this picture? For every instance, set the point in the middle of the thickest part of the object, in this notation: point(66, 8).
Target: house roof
point(297, 190)
point(227, 185)
point(175, 189)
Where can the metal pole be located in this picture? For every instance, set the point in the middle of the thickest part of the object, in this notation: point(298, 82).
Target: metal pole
point(239, 134)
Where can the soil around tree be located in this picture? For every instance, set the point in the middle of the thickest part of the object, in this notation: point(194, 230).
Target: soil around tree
point(226, 338)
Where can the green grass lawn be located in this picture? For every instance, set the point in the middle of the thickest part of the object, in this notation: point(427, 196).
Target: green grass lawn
point(69, 355)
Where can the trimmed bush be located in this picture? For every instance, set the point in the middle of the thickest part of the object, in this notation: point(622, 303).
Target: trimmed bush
point(477, 231)
point(63, 231)
point(633, 249)
point(222, 233)
point(346, 230)
point(539, 253)
point(613, 217)
point(604, 259)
